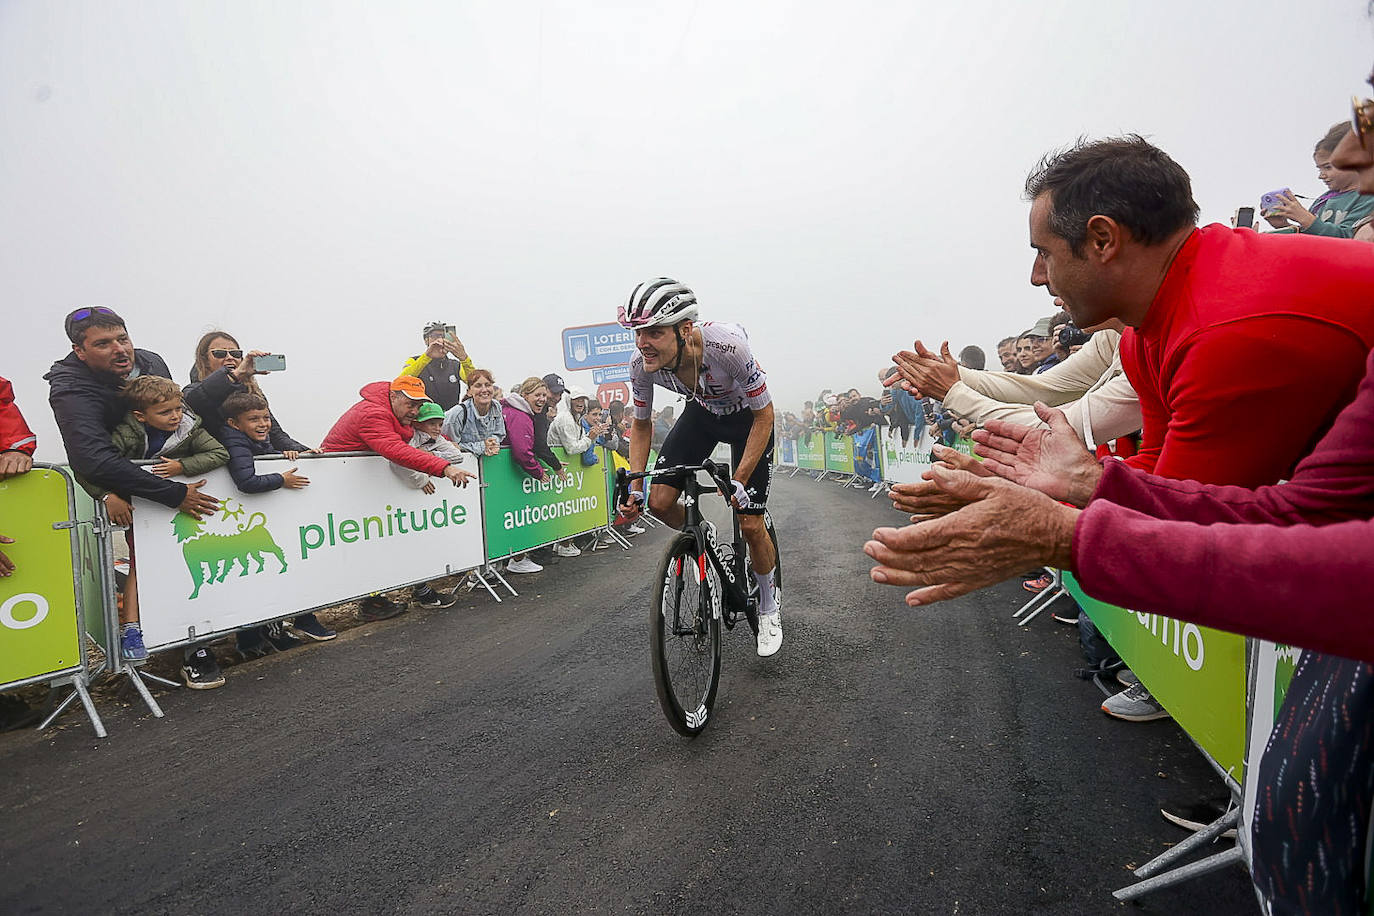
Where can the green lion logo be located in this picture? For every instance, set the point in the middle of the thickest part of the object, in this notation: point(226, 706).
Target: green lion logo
point(209, 557)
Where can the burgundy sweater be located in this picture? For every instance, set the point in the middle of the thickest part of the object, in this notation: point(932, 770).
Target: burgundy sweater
point(1288, 563)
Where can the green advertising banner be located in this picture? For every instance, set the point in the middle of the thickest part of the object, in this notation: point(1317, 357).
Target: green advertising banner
point(522, 513)
point(839, 453)
point(39, 634)
point(811, 455)
point(1196, 673)
point(964, 445)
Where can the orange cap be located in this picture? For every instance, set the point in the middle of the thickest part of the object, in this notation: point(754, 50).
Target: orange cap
point(411, 387)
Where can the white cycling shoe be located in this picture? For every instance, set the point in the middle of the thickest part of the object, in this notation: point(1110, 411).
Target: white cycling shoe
point(770, 634)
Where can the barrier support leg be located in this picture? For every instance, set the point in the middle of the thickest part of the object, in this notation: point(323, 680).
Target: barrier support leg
point(616, 536)
point(137, 680)
point(1187, 872)
point(78, 691)
point(485, 584)
point(1053, 592)
point(1200, 838)
point(502, 579)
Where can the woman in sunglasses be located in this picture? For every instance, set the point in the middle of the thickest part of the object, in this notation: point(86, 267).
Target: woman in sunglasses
point(221, 369)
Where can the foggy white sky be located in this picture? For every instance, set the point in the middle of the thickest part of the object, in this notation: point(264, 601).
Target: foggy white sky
point(323, 178)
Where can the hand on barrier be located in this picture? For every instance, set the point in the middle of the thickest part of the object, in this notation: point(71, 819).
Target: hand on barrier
point(292, 455)
point(6, 564)
point(167, 467)
point(14, 463)
point(493, 446)
point(427, 489)
point(1002, 529)
point(459, 476)
point(198, 504)
point(119, 510)
point(294, 480)
point(1052, 460)
point(739, 498)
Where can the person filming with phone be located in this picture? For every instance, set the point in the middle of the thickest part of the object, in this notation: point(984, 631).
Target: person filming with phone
point(444, 365)
point(1338, 212)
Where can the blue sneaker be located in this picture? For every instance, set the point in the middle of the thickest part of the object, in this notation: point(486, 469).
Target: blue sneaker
point(131, 645)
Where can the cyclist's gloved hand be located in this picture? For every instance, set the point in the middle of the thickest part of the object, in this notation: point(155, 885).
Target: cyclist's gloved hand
point(740, 496)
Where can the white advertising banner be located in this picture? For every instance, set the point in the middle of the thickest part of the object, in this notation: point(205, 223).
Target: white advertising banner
point(904, 463)
point(357, 528)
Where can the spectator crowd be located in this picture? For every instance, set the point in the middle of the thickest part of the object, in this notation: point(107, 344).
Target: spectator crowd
point(130, 430)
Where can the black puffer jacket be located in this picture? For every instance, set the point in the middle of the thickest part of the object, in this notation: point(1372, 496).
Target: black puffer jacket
point(206, 396)
point(87, 406)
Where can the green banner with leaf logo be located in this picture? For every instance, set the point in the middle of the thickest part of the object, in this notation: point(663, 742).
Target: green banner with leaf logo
point(839, 453)
point(38, 623)
point(521, 513)
point(1196, 673)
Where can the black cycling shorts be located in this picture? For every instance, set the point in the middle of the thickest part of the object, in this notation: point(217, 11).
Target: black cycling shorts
point(695, 435)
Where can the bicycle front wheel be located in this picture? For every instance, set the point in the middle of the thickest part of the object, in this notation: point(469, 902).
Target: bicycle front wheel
point(684, 635)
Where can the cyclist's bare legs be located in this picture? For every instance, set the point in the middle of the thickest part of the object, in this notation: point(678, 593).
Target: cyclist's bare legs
point(663, 502)
point(760, 545)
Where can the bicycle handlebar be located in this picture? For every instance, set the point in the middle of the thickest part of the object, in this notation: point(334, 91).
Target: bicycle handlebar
point(719, 473)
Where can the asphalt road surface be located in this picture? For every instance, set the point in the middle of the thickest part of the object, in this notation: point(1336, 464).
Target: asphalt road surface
point(512, 758)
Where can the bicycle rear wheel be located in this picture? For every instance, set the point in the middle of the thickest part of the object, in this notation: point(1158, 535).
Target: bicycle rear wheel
point(684, 635)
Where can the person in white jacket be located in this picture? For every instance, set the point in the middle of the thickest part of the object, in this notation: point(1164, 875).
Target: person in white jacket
point(566, 431)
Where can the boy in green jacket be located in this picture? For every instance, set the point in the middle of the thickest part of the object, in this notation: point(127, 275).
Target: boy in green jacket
point(157, 426)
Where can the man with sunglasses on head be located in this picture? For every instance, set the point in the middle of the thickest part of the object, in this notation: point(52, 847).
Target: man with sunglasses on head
point(84, 390)
point(712, 364)
point(444, 365)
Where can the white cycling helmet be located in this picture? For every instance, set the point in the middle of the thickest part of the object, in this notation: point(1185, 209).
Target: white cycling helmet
point(659, 301)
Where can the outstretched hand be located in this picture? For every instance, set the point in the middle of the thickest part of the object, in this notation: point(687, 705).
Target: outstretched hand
point(928, 499)
point(925, 374)
point(1052, 460)
point(1002, 529)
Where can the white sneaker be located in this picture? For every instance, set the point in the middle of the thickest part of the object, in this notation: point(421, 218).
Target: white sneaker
point(523, 565)
point(876, 487)
point(636, 528)
point(567, 550)
point(770, 634)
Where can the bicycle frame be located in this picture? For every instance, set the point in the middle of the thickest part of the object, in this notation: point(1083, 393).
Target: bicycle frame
point(735, 581)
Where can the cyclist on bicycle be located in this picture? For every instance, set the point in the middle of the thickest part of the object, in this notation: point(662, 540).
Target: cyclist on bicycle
point(727, 401)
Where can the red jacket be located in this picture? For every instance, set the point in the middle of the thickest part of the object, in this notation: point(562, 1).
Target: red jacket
point(15, 435)
point(1251, 347)
point(370, 426)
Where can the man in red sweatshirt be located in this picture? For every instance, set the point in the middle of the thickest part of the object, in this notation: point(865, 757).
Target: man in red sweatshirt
point(1113, 226)
point(1204, 306)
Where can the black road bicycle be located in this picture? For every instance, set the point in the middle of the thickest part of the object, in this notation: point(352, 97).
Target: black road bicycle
point(701, 584)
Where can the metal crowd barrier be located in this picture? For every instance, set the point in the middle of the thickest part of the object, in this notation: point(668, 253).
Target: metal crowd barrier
point(357, 529)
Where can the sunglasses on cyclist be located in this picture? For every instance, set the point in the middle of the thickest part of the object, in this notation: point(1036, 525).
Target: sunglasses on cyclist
point(219, 353)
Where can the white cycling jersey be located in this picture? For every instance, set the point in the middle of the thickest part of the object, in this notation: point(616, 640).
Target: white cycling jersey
point(730, 379)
